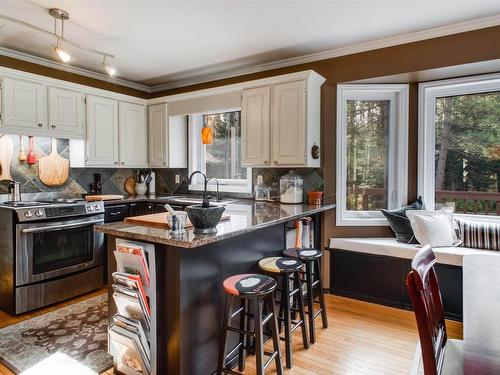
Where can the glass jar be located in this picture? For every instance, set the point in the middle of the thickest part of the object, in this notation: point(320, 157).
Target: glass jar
point(291, 188)
point(260, 189)
point(273, 193)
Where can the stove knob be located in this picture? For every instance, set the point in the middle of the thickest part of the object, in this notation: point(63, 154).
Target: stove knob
point(97, 207)
point(28, 214)
point(90, 208)
point(39, 213)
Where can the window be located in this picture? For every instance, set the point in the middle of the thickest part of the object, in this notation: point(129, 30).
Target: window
point(459, 145)
point(372, 124)
point(222, 158)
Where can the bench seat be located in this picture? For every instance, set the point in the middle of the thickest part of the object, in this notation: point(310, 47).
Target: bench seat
point(392, 248)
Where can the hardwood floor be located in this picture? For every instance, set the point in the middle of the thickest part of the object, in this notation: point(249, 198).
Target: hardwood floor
point(362, 339)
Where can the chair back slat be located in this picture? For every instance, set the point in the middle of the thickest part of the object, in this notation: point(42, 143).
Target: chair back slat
point(423, 289)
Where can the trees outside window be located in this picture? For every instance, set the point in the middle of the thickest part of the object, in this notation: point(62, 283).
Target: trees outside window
point(461, 121)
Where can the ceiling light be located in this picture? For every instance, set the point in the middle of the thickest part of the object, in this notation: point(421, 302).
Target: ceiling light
point(109, 68)
point(63, 55)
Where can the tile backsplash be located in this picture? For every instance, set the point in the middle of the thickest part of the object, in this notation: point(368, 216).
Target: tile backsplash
point(113, 179)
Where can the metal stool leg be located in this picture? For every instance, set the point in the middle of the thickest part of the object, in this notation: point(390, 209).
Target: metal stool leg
point(310, 302)
point(324, 316)
point(300, 304)
point(222, 350)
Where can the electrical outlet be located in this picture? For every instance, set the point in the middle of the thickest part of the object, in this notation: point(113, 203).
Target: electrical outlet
point(177, 178)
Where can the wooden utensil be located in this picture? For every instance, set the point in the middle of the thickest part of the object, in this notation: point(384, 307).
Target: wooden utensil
point(6, 153)
point(160, 220)
point(31, 153)
point(53, 170)
point(22, 154)
point(105, 197)
point(130, 185)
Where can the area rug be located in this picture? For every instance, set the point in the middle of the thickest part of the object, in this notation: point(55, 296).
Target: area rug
point(70, 340)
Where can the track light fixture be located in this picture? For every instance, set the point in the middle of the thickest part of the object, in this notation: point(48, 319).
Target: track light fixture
point(64, 56)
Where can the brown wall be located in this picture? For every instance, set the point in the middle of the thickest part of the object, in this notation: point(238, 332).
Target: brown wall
point(457, 49)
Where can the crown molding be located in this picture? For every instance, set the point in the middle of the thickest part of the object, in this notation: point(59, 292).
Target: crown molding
point(71, 69)
point(203, 75)
point(456, 28)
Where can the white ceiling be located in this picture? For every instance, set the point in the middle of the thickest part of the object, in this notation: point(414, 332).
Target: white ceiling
point(159, 41)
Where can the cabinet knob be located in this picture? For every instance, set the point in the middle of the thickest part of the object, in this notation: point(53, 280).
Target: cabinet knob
point(116, 162)
point(266, 162)
point(164, 163)
point(53, 126)
point(40, 125)
point(122, 163)
point(276, 162)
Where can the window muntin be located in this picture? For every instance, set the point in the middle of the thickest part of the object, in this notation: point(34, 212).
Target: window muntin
point(372, 122)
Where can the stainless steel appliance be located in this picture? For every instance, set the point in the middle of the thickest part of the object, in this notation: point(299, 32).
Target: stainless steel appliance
point(14, 191)
point(50, 252)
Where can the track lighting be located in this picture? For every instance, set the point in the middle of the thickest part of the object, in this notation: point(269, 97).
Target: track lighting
point(62, 15)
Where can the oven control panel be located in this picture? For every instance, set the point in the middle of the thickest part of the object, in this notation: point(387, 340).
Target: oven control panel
point(53, 211)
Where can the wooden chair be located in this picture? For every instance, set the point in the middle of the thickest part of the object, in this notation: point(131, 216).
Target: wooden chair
point(436, 355)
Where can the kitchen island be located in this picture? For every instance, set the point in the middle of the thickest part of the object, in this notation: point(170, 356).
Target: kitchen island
point(187, 271)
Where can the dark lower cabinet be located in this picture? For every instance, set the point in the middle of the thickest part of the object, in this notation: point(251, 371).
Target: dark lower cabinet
point(381, 279)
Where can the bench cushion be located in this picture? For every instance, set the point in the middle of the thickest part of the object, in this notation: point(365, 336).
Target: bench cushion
point(391, 247)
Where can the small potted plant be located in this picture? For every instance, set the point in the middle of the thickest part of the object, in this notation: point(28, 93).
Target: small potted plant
point(315, 196)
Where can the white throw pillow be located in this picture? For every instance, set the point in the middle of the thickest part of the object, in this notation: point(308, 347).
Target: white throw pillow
point(433, 228)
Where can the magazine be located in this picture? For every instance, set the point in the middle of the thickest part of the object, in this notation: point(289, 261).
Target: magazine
point(133, 282)
point(131, 259)
point(125, 346)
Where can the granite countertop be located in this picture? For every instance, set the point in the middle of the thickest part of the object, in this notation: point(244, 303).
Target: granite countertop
point(246, 216)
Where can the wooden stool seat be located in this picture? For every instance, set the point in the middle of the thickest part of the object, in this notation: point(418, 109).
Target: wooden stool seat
point(280, 264)
point(303, 254)
point(250, 284)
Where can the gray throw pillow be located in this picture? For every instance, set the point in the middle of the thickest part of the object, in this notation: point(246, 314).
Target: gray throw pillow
point(400, 224)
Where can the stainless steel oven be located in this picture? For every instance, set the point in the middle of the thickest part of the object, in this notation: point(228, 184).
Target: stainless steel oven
point(53, 248)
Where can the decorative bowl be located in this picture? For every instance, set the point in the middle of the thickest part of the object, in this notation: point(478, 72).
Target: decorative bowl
point(204, 219)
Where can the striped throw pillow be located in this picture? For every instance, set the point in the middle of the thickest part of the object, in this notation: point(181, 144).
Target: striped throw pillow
point(480, 234)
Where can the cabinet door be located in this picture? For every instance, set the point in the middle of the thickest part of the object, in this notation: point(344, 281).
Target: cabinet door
point(158, 134)
point(24, 104)
point(133, 134)
point(102, 131)
point(255, 126)
point(289, 123)
point(65, 111)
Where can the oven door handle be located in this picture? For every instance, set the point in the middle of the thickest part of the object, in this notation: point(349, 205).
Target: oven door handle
point(59, 227)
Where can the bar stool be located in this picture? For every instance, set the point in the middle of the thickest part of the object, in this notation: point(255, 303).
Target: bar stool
point(311, 257)
point(257, 291)
point(288, 269)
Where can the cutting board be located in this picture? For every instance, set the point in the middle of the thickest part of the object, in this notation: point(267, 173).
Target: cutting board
point(160, 220)
point(130, 185)
point(53, 170)
point(6, 154)
point(106, 197)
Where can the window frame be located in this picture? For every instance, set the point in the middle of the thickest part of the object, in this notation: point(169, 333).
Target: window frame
point(428, 92)
point(196, 161)
point(397, 183)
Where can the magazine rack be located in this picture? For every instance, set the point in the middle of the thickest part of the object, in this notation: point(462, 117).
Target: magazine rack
point(150, 335)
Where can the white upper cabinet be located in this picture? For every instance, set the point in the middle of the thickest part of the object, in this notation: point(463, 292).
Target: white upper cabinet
point(281, 122)
point(102, 131)
point(289, 123)
point(256, 126)
point(167, 143)
point(66, 111)
point(24, 106)
point(157, 133)
point(133, 135)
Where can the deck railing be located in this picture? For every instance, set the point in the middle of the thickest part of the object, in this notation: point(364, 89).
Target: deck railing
point(470, 202)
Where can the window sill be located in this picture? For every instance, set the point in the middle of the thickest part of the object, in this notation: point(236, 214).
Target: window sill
point(362, 222)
